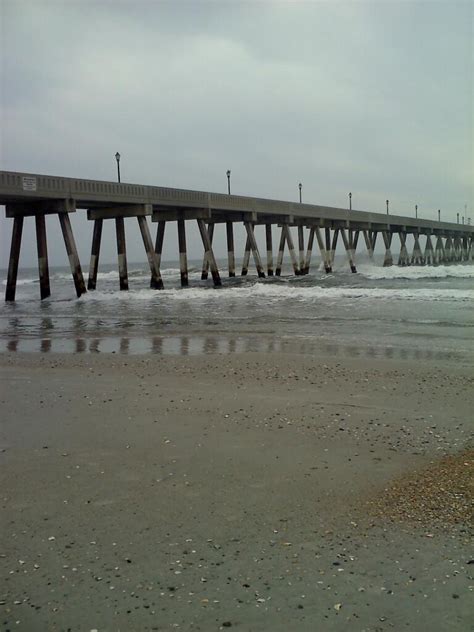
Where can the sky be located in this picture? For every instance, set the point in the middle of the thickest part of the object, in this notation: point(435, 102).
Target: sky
point(372, 97)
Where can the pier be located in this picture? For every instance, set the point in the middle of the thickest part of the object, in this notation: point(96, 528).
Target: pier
point(34, 195)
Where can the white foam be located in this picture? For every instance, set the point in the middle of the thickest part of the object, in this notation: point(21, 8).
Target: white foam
point(275, 292)
point(416, 272)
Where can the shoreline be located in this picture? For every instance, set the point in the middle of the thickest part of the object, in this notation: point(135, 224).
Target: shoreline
point(191, 492)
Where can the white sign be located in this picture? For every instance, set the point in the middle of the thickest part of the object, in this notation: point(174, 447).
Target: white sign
point(29, 183)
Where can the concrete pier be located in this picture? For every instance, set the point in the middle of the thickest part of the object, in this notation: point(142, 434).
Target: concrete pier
point(37, 195)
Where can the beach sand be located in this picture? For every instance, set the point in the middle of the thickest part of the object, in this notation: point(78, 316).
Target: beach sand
point(250, 491)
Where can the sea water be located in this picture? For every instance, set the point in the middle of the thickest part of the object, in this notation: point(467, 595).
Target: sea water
point(419, 312)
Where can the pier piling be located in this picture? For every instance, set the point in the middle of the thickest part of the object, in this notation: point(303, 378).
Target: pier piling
point(42, 248)
point(269, 245)
point(72, 254)
point(281, 250)
point(229, 227)
point(156, 281)
point(14, 258)
point(183, 257)
point(254, 247)
point(121, 252)
point(95, 252)
point(209, 254)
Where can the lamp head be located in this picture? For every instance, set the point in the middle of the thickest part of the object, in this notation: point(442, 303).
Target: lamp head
point(117, 157)
point(228, 173)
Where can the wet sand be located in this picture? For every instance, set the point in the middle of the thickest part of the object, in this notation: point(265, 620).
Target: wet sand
point(235, 491)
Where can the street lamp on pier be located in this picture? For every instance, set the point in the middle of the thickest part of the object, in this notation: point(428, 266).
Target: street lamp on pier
point(457, 216)
point(439, 215)
point(416, 211)
point(300, 186)
point(387, 202)
point(117, 158)
point(228, 181)
point(350, 201)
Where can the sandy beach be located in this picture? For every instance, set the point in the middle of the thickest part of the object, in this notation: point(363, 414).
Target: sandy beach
point(248, 491)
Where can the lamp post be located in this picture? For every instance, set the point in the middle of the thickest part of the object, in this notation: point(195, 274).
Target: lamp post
point(416, 211)
point(386, 202)
point(457, 217)
point(300, 186)
point(439, 215)
point(117, 158)
point(350, 201)
point(228, 181)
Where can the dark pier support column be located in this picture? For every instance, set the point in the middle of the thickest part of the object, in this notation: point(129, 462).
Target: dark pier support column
point(324, 252)
point(156, 282)
point(253, 245)
point(205, 262)
point(160, 236)
point(309, 251)
point(387, 240)
point(291, 248)
point(246, 259)
point(72, 254)
point(354, 240)
point(281, 250)
point(183, 257)
point(42, 256)
point(121, 252)
point(95, 252)
point(209, 254)
point(302, 265)
point(349, 251)
point(334, 245)
point(327, 235)
point(368, 244)
point(269, 244)
point(14, 258)
point(229, 227)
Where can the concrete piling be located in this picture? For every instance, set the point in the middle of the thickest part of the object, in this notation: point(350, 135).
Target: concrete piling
point(73, 257)
point(121, 252)
point(230, 248)
point(42, 248)
point(269, 245)
point(14, 258)
point(95, 252)
point(183, 257)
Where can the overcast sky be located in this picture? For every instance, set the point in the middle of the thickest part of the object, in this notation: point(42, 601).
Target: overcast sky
point(370, 97)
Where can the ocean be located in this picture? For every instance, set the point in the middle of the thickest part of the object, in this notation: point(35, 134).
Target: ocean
point(416, 312)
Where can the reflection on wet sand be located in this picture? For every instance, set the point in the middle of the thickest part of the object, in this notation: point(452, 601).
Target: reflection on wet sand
point(12, 345)
point(198, 345)
point(46, 344)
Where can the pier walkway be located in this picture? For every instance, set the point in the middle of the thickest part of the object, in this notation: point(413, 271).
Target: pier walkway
point(35, 195)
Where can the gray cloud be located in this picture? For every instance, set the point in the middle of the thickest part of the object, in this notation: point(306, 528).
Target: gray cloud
point(371, 97)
